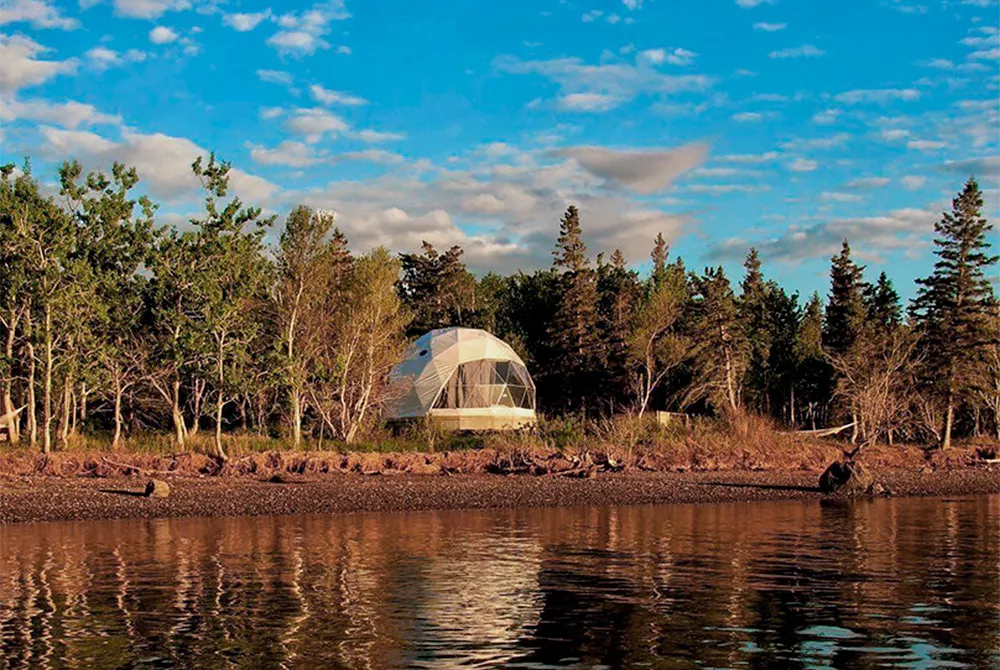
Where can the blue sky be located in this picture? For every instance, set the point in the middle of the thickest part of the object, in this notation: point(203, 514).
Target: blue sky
point(784, 124)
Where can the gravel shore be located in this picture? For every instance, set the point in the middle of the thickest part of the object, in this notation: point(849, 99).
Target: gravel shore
point(34, 499)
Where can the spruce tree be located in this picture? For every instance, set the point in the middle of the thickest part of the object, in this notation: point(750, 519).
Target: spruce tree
point(722, 360)
point(619, 293)
point(754, 313)
point(882, 303)
point(845, 311)
point(573, 329)
point(437, 289)
point(813, 372)
point(659, 256)
point(953, 305)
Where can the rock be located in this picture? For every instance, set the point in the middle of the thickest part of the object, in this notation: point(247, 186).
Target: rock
point(849, 478)
point(157, 488)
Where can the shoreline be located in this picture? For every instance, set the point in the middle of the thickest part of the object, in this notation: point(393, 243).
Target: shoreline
point(31, 499)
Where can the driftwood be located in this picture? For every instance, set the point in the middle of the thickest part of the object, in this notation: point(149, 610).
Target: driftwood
point(9, 417)
point(819, 432)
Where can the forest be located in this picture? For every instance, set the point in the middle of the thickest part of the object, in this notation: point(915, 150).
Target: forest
point(117, 327)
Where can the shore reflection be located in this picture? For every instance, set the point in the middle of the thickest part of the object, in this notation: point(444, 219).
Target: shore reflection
point(795, 584)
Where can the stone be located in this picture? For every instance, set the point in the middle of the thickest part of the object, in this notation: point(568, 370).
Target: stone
point(848, 478)
point(157, 488)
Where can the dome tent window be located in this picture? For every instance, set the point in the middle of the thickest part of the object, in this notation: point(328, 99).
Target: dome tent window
point(465, 379)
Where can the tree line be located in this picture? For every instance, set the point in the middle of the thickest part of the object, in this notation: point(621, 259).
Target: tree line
point(112, 323)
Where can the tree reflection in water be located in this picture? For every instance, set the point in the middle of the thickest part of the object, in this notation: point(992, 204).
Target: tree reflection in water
point(790, 584)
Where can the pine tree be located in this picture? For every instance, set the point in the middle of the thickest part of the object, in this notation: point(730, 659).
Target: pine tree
point(845, 311)
point(722, 361)
point(619, 292)
point(953, 306)
point(882, 304)
point(659, 257)
point(573, 330)
point(753, 311)
point(437, 289)
point(813, 372)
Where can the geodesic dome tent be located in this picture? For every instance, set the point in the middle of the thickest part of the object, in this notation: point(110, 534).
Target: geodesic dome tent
point(465, 379)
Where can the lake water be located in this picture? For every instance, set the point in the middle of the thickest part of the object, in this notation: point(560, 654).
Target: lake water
point(899, 582)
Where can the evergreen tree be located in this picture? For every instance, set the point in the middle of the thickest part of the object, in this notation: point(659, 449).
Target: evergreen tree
point(953, 306)
point(573, 330)
point(437, 289)
point(659, 257)
point(754, 314)
point(882, 304)
point(813, 372)
point(619, 292)
point(845, 310)
point(723, 358)
point(782, 323)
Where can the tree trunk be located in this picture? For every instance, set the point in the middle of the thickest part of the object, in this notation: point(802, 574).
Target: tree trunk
point(118, 417)
point(296, 399)
point(949, 415)
point(179, 429)
point(84, 391)
point(67, 413)
point(14, 429)
point(47, 388)
point(32, 424)
point(218, 410)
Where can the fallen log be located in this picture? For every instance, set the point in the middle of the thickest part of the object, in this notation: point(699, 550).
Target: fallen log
point(819, 432)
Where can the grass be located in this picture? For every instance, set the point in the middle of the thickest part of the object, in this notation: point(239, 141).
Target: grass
point(741, 442)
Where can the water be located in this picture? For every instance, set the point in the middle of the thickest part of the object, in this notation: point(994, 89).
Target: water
point(907, 582)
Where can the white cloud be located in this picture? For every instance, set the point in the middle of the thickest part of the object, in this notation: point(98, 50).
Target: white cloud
point(747, 117)
point(19, 67)
point(894, 134)
point(245, 22)
point(877, 96)
point(276, 77)
point(376, 137)
point(38, 13)
point(901, 229)
point(302, 33)
point(149, 9)
point(948, 66)
point(288, 153)
point(268, 113)
point(766, 157)
point(643, 171)
point(826, 117)
point(836, 196)
point(926, 145)
point(314, 123)
point(163, 162)
point(868, 182)
point(804, 51)
point(677, 56)
point(722, 189)
point(591, 16)
point(769, 27)
point(803, 165)
point(912, 183)
point(589, 102)
point(102, 58)
point(603, 84)
point(750, 4)
point(67, 114)
point(162, 35)
point(327, 97)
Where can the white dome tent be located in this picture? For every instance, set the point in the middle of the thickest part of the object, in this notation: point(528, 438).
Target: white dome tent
point(466, 379)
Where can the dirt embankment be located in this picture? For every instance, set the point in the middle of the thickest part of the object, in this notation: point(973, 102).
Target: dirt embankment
point(76, 486)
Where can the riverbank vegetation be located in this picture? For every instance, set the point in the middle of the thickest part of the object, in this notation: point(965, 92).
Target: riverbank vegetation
point(117, 331)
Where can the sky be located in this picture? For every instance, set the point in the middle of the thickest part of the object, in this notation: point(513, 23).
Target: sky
point(788, 125)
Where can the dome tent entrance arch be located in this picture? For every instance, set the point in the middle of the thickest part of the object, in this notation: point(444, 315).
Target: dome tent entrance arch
point(466, 379)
